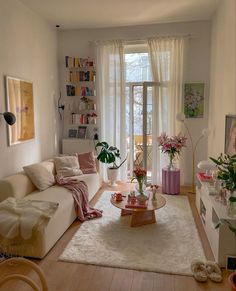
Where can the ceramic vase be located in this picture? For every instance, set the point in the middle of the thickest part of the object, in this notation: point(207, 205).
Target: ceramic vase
point(112, 175)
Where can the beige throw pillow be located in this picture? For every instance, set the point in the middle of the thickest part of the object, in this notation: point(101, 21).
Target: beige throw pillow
point(67, 166)
point(40, 176)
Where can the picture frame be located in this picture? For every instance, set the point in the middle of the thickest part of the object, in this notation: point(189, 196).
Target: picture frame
point(230, 135)
point(72, 133)
point(20, 101)
point(82, 131)
point(194, 99)
point(230, 263)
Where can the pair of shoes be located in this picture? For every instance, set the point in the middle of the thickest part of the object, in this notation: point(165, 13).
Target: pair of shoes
point(202, 271)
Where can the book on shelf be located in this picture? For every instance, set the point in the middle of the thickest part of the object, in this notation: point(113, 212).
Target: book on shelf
point(80, 76)
point(70, 90)
point(75, 62)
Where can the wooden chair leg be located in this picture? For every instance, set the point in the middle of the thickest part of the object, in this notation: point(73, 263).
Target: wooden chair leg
point(24, 278)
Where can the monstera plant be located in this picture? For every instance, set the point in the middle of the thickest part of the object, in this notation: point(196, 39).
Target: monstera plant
point(109, 155)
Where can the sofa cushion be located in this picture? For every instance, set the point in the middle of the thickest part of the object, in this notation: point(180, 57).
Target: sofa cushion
point(67, 166)
point(87, 163)
point(18, 186)
point(41, 175)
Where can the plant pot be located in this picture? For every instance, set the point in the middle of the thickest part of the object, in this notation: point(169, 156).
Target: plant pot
point(232, 281)
point(112, 174)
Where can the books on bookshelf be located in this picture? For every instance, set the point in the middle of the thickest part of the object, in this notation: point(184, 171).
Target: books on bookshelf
point(84, 118)
point(80, 76)
point(72, 90)
point(72, 62)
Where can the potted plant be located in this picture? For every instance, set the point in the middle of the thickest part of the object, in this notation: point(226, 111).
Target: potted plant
point(226, 166)
point(108, 155)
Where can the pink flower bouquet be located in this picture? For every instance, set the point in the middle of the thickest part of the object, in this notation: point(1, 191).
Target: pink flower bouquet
point(171, 145)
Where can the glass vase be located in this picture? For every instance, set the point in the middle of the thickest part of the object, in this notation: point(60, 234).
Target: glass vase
point(231, 204)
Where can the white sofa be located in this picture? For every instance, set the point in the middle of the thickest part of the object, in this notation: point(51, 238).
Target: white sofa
point(20, 186)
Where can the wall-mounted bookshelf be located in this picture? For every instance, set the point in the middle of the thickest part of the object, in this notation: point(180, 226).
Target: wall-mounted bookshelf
point(80, 87)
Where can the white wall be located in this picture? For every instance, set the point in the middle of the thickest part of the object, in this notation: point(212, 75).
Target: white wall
point(223, 73)
point(28, 49)
point(78, 43)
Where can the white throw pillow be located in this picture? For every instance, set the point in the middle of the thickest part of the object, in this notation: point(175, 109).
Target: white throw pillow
point(67, 166)
point(40, 176)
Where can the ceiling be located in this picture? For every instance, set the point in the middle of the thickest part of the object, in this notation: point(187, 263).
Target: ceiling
point(75, 14)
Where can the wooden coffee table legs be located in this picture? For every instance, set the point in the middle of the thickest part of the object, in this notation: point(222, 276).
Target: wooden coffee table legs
point(139, 218)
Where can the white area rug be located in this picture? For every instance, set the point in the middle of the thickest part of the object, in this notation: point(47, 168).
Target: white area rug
point(169, 246)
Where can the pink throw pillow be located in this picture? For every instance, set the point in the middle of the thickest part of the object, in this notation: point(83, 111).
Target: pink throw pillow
point(87, 163)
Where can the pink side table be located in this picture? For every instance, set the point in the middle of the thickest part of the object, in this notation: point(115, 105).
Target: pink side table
point(170, 181)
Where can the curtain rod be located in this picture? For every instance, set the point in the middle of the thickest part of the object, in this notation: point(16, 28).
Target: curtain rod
point(143, 40)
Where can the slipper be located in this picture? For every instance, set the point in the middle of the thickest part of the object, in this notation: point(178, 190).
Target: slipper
point(199, 270)
point(214, 271)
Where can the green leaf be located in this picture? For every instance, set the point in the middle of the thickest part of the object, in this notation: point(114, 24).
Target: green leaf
point(232, 199)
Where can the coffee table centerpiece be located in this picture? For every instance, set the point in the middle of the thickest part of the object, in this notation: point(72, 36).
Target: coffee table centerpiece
point(140, 175)
point(141, 214)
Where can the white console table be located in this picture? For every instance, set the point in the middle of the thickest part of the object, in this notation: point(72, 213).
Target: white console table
point(222, 240)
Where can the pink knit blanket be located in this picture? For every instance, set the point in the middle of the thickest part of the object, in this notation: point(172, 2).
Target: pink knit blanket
point(79, 191)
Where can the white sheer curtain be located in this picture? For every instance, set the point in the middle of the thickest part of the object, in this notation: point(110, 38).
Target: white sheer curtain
point(110, 87)
point(167, 62)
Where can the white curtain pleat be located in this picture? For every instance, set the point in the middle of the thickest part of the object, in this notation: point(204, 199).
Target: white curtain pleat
point(110, 92)
point(167, 62)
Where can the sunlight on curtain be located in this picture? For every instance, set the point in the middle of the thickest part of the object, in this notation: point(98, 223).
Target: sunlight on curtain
point(167, 61)
point(110, 86)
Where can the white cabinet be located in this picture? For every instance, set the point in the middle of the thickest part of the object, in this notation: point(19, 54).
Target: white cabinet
point(222, 240)
point(76, 145)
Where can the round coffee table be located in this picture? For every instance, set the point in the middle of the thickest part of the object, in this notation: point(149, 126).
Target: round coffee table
point(140, 216)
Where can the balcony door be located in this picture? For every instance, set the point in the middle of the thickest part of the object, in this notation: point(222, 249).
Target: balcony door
point(142, 114)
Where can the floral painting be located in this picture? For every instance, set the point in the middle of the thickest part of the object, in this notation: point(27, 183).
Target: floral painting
point(194, 100)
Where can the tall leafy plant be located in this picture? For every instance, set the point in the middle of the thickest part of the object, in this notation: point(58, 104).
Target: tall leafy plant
point(109, 154)
point(226, 166)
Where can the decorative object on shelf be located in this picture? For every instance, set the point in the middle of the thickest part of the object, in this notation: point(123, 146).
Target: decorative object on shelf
point(92, 119)
point(205, 133)
point(230, 134)
point(72, 133)
point(194, 100)
point(60, 106)
point(9, 117)
point(171, 146)
point(82, 132)
point(95, 130)
point(109, 154)
point(206, 166)
point(20, 104)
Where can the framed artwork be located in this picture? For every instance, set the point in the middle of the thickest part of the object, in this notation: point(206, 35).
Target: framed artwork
point(20, 102)
point(230, 134)
point(194, 100)
point(72, 133)
point(82, 131)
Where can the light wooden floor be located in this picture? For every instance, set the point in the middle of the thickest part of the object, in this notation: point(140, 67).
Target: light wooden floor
point(62, 276)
